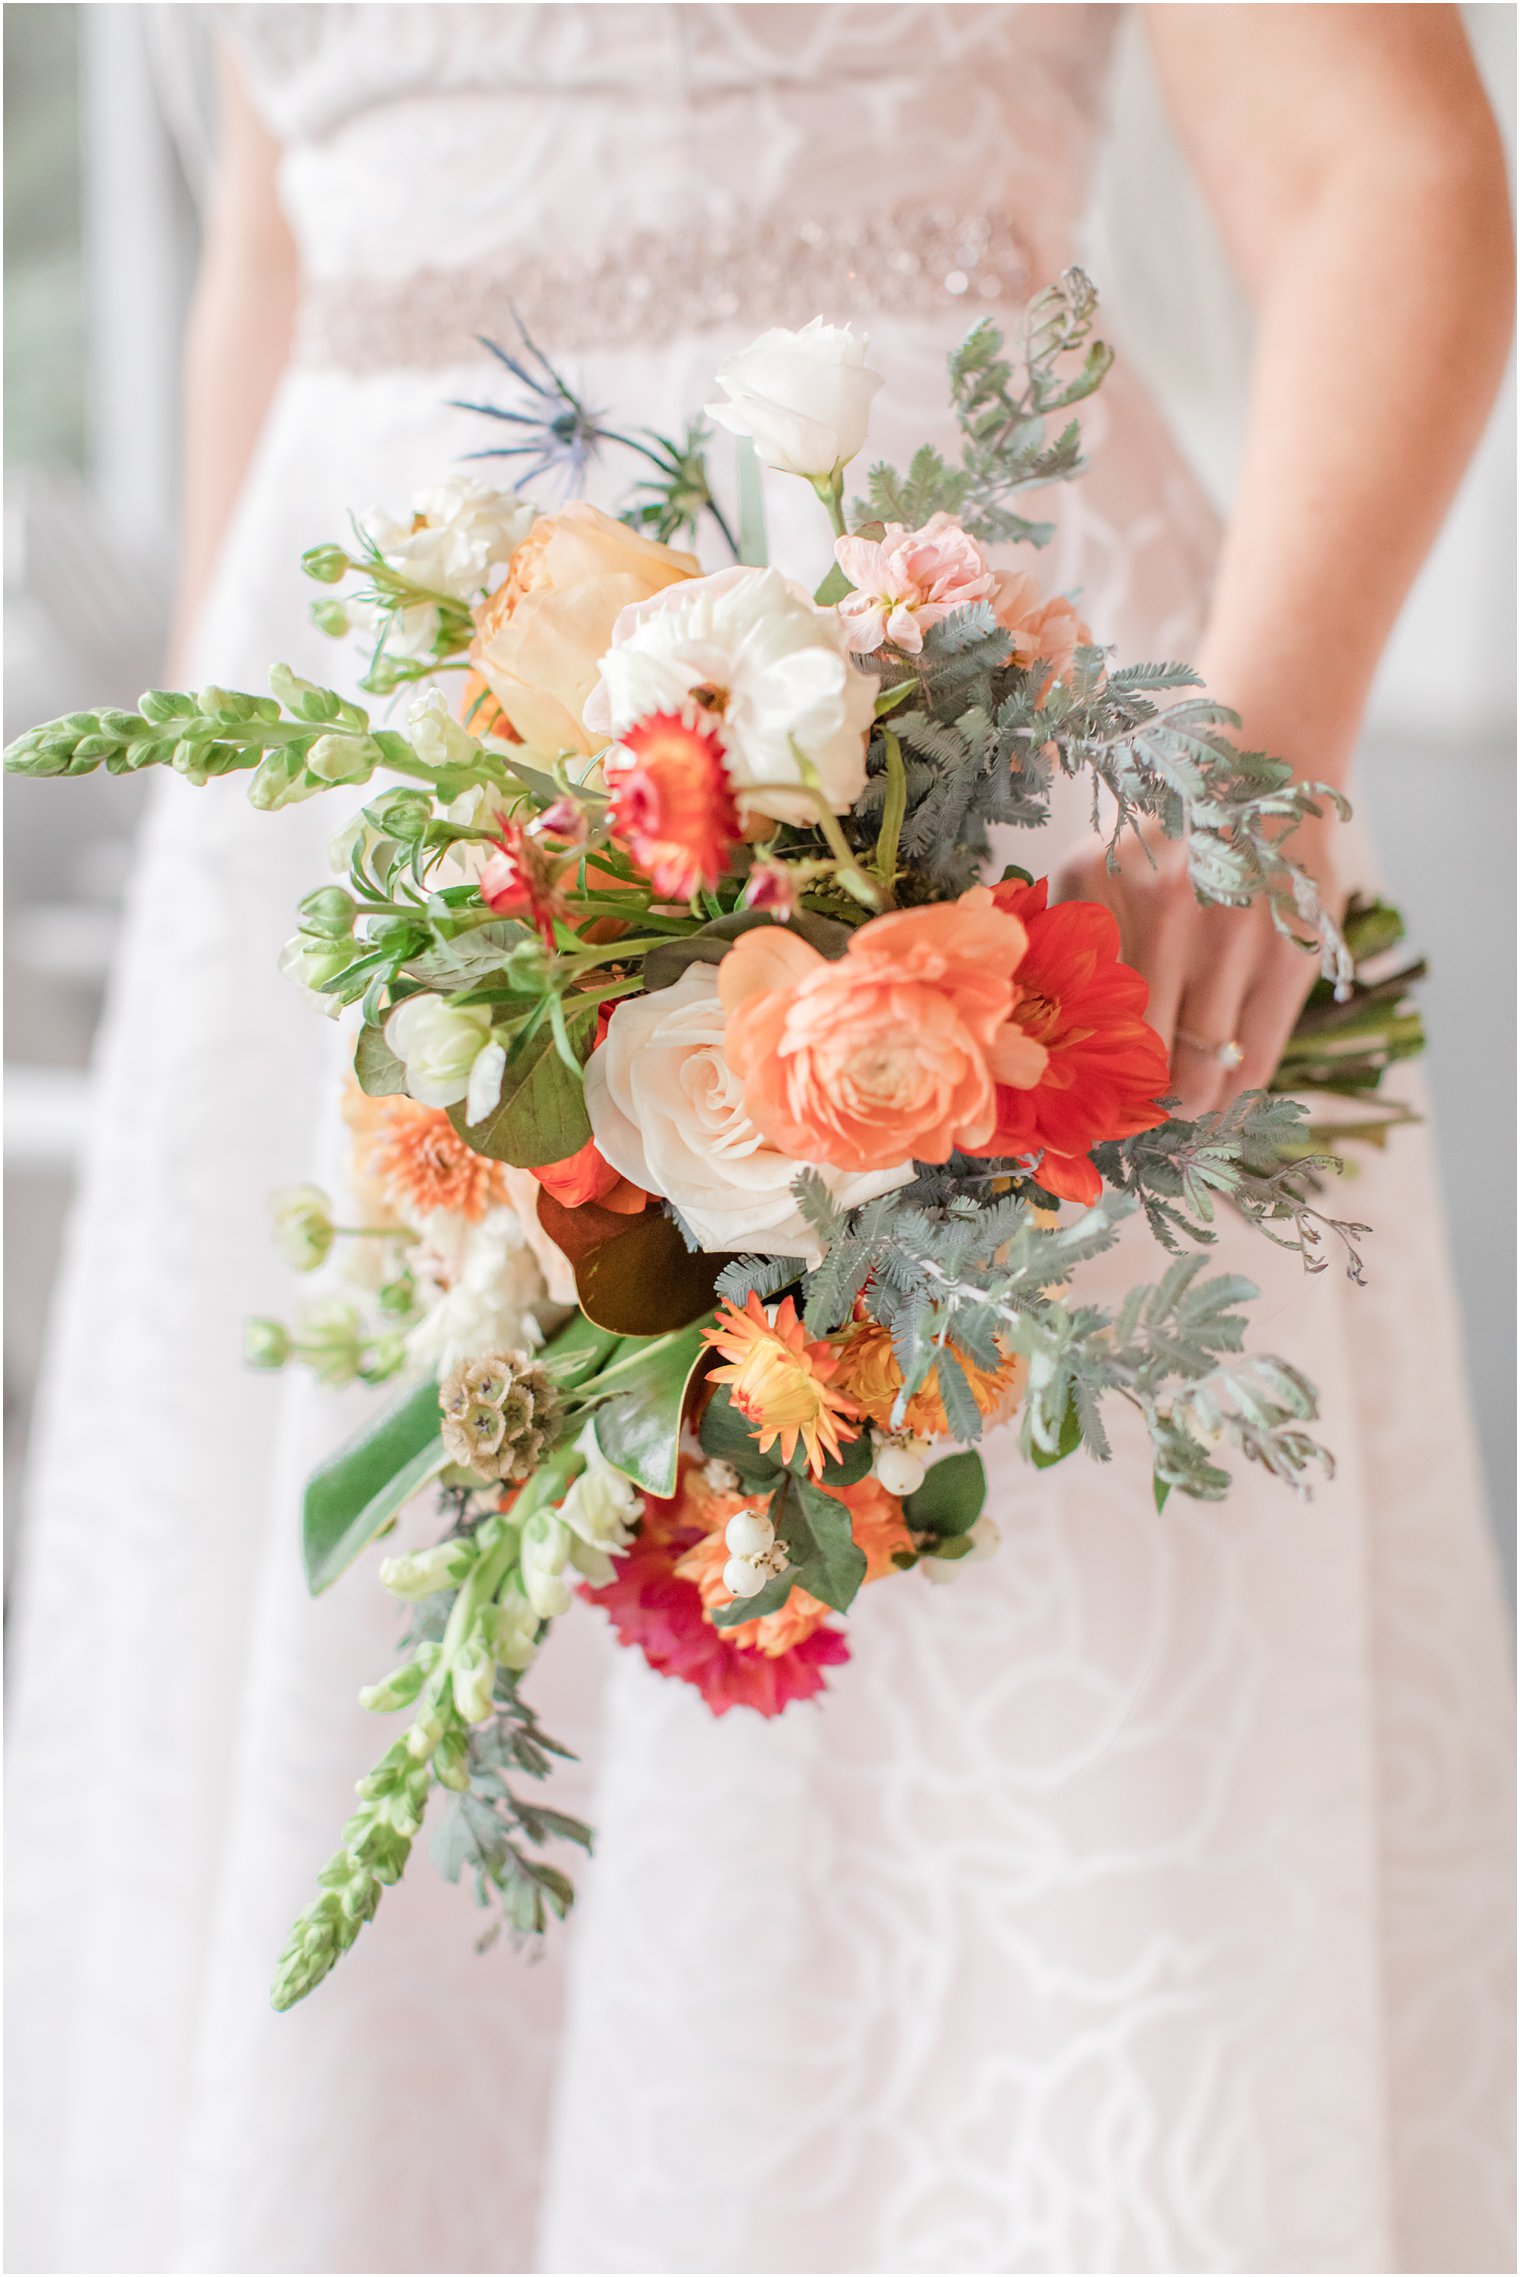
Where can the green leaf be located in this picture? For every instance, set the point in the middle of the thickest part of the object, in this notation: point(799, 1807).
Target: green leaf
point(853, 1463)
point(1069, 1441)
point(1160, 1489)
point(646, 1281)
point(951, 1498)
point(381, 1075)
point(833, 588)
point(351, 1496)
point(890, 698)
point(836, 1566)
point(541, 1114)
point(666, 964)
point(578, 1351)
point(727, 1438)
point(639, 1431)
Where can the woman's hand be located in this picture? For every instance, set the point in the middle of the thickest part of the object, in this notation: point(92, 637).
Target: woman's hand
point(1218, 978)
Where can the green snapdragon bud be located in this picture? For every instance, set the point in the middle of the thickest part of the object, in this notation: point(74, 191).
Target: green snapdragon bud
point(328, 913)
point(398, 1690)
point(343, 758)
point(303, 1227)
point(329, 565)
point(404, 815)
point(422, 1573)
point(265, 1344)
point(452, 1762)
point(330, 617)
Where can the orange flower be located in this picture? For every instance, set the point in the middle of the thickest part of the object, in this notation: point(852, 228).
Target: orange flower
point(541, 635)
point(1051, 629)
point(1104, 1068)
point(418, 1160)
point(888, 1054)
point(673, 806)
point(780, 1381)
point(876, 1522)
point(869, 1373)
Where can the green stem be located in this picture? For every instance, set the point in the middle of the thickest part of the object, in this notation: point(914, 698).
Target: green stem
point(848, 871)
point(830, 489)
point(893, 811)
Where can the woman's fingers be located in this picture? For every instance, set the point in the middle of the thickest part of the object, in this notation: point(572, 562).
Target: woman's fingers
point(1271, 1013)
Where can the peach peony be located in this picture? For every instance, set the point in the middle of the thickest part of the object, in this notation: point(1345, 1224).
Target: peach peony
point(895, 1050)
point(1040, 628)
point(541, 635)
point(907, 580)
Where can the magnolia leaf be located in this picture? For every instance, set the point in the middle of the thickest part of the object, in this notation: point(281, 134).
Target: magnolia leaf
point(541, 1113)
point(351, 1496)
point(576, 1353)
point(646, 1281)
point(380, 1073)
point(951, 1497)
point(711, 945)
point(639, 1431)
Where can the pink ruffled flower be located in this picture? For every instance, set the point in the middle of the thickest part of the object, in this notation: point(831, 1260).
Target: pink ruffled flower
point(1040, 628)
point(906, 580)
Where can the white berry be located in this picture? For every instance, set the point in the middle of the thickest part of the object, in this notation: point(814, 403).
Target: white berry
point(742, 1578)
point(720, 1476)
point(749, 1534)
point(900, 1468)
point(984, 1538)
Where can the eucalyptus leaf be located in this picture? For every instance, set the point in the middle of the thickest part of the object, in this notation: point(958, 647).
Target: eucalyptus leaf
point(951, 1498)
point(726, 1437)
point(380, 1073)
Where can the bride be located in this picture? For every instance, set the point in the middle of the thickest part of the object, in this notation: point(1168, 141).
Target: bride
point(1141, 1900)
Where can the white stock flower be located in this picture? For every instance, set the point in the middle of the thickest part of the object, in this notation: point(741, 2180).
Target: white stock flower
point(668, 1112)
point(436, 736)
point(601, 1506)
point(455, 535)
point(489, 1306)
point(804, 397)
point(440, 1043)
point(775, 678)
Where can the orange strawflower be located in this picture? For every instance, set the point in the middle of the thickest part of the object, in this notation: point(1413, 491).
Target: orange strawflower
point(869, 1372)
point(673, 805)
point(876, 1522)
point(1104, 1068)
point(781, 1381)
point(418, 1161)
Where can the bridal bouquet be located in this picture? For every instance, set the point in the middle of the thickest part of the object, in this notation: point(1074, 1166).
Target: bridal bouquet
point(728, 1140)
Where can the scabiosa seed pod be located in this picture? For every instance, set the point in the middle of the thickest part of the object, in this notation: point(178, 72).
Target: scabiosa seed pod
point(501, 1414)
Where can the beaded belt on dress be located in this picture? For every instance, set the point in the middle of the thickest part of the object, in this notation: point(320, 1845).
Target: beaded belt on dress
point(655, 286)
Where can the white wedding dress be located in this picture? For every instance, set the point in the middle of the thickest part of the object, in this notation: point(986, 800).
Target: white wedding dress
point(1140, 1901)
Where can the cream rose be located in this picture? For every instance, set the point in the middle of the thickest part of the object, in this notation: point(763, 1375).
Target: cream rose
point(540, 636)
point(804, 397)
point(770, 669)
point(668, 1112)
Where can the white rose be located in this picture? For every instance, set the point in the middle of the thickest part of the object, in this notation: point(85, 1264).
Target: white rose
point(440, 1043)
point(490, 1304)
point(776, 678)
point(805, 397)
point(668, 1112)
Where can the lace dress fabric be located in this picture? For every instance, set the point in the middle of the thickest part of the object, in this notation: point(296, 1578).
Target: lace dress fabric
point(1140, 1900)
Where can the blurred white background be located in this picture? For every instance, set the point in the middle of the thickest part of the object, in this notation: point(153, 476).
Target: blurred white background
point(108, 121)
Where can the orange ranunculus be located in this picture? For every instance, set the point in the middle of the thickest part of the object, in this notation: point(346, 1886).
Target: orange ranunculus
point(673, 805)
point(1104, 1068)
point(587, 1176)
point(540, 636)
point(1051, 629)
point(869, 1373)
point(876, 1522)
point(781, 1381)
point(891, 1053)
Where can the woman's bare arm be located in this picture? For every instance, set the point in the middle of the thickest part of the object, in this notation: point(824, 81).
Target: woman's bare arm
point(237, 343)
point(1353, 164)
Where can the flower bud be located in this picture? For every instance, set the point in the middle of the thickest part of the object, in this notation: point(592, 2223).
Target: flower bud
point(452, 1762)
point(422, 1573)
point(742, 1578)
point(398, 1690)
point(514, 1628)
point(330, 617)
point(543, 1557)
point(329, 1339)
point(328, 913)
point(303, 1227)
point(265, 1344)
point(749, 1534)
point(343, 758)
point(439, 1043)
point(436, 736)
point(397, 1297)
point(424, 1735)
point(329, 565)
point(474, 1679)
point(311, 964)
